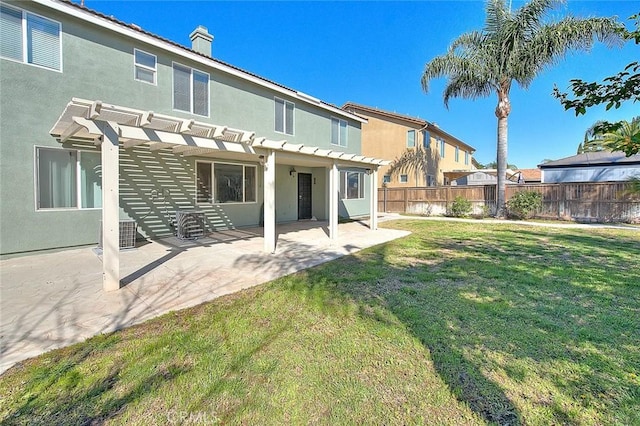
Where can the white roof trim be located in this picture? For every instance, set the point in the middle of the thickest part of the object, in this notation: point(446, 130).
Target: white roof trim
point(130, 32)
point(187, 137)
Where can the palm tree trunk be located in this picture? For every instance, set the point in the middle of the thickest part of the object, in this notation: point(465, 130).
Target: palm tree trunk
point(502, 112)
point(502, 167)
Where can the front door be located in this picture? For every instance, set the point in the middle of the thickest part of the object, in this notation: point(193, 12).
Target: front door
point(304, 196)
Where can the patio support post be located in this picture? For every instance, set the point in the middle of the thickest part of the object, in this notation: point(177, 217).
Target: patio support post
point(334, 188)
point(373, 219)
point(270, 202)
point(110, 207)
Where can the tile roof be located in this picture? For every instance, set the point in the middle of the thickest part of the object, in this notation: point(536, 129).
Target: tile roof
point(413, 120)
point(531, 175)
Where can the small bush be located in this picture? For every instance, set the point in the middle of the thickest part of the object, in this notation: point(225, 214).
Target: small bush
point(524, 204)
point(461, 207)
point(485, 211)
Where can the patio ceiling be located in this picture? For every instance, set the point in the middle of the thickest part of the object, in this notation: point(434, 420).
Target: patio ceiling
point(187, 137)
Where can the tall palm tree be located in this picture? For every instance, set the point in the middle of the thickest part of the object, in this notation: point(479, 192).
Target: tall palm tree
point(625, 138)
point(592, 139)
point(514, 45)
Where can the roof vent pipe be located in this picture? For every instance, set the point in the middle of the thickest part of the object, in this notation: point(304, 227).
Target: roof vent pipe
point(201, 40)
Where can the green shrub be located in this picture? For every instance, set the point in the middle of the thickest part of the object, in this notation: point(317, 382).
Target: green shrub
point(485, 211)
point(461, 207)
point(524, 204)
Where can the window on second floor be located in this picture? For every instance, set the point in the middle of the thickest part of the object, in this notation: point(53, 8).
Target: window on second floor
point(284, 116)
point(338, 132)
point(190, 90)
point(29, 38)
point(145, 66)
point(442, 147)
point(466, 158)
point(426, 140)
point(457, 154)
point(411, 139)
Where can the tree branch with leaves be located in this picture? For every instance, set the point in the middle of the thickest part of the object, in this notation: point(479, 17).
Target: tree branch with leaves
point(612, 91)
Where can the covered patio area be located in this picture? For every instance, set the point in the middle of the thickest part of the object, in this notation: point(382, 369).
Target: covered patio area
point(56, 299)
point(115, 129)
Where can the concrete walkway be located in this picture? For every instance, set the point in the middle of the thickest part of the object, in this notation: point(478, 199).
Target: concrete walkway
point(53, 300)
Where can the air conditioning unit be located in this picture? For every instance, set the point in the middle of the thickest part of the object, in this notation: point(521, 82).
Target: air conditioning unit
point(127, 234)
point(189, 224)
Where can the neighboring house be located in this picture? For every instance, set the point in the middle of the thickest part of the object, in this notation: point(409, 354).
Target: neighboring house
point(602, 166)
point(388, 135)
point(529, 175)
point(103, 121)
point(489, 177)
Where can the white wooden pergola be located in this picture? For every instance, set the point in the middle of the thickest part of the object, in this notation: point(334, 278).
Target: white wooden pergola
point(114, 127)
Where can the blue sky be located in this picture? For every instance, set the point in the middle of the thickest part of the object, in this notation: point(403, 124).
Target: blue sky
point(373, 53)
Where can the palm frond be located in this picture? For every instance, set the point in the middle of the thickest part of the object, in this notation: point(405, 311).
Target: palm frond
point(411, 161)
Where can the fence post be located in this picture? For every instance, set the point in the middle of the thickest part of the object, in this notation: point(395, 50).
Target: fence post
point(406, 200)
point(385, 198)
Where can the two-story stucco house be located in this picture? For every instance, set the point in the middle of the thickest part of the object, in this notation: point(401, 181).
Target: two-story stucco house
point(388, 135)
point(102, 121)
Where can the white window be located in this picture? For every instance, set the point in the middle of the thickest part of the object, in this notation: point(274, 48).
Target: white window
point(190, 90)
point(338, 132)
point(426, 140)
point(30, 38)
point(284, 116)
point(225, 183)
point(466, 158)
point(68, 179)
point(352, 185)
point(404, 178)
point(145, 66)
point(442, 146)
point(457, 154)
point(386, 179)
point(411, 138)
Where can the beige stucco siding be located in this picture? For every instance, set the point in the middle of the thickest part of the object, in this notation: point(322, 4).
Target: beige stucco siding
point(385, 136)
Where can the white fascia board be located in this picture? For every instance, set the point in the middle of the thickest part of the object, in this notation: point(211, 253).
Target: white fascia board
point(130, 32)
point(293, 147)
point(310, 150)
point(323, 152)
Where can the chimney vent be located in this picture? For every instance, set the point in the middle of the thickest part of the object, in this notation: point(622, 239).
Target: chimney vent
point(201, 40)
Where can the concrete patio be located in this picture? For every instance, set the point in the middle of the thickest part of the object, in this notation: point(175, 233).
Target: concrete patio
point(53, 300)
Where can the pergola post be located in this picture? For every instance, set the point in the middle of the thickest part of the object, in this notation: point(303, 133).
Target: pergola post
point(334, 189)
point(110, 207)
point(270, 202)
point(373, 219)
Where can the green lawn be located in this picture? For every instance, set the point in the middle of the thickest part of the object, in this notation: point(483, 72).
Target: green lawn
point(459, 323)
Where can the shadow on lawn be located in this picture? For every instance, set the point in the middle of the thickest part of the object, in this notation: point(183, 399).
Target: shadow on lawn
point(474, 303)
point(90, 405)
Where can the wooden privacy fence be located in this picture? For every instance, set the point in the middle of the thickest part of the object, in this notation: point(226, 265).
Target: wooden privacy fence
point(590, 202)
